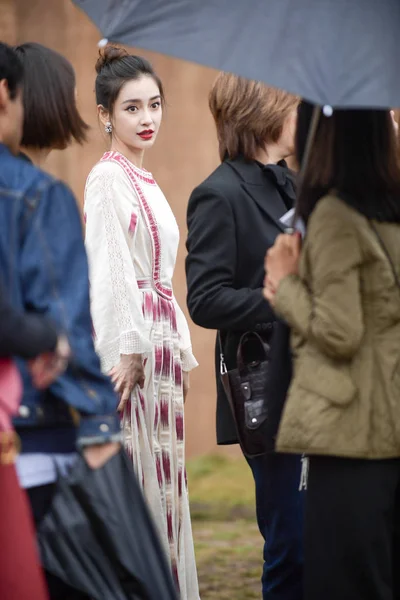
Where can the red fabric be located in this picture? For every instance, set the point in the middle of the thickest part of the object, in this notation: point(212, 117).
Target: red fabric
point(21, 577)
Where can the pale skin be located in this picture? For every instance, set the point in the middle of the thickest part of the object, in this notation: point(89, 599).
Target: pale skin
point(274, 152)
point(137, 110)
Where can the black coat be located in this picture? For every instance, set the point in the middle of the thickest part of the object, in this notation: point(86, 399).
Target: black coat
point(233, 218)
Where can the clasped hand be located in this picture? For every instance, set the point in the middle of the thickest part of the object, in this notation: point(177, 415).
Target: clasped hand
point(281, 260)
point(125, 375)
point(46, 367)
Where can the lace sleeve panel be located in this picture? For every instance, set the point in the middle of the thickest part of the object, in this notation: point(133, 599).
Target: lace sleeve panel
point(112, 212)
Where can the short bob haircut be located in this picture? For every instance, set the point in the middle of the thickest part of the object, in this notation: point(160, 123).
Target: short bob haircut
point(51, 118)
point(248, 115)
point(354, 152)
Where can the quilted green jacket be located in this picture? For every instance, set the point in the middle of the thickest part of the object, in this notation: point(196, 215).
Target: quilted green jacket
point(344, 311)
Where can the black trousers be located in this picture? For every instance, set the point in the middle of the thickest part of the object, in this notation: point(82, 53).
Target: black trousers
point(352, 530)
point(40, 499)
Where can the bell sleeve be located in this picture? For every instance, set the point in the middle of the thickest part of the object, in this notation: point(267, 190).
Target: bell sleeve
point(189, 362)
point(111, 206)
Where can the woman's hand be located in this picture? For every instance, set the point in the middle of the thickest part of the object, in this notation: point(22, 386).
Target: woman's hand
point(269, 291)
point(186, 384)
point(281, 260)
point(45, 368)
point(128, 373)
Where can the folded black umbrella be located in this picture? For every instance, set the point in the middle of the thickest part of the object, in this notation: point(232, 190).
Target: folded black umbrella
point(98, 536)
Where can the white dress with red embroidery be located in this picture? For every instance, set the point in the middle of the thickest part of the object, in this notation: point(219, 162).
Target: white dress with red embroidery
point(132, 240)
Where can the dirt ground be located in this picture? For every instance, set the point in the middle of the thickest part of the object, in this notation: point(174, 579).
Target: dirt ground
point(227, 542)
point(228, 559)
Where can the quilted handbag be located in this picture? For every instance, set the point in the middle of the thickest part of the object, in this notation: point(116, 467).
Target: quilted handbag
point(246, 390)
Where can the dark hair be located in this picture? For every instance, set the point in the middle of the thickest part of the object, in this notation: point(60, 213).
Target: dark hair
point(51, 115)
point(11, 69)
point(354, 152)
point(114, 68)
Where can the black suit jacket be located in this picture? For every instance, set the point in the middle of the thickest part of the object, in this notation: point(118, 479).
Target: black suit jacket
point(233, 218)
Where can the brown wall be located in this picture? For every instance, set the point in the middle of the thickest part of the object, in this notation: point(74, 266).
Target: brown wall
point(185, 153)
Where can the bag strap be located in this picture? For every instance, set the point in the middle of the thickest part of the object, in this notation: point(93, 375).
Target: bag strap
point(249, 335)
point(386, 252)
point(222, 365)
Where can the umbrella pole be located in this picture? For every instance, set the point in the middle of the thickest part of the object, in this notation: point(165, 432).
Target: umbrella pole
point(310, 140)
point(307, 152)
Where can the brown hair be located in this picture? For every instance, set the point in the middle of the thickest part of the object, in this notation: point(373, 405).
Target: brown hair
point(248, 114)
point(115, 66)
point(51, 115)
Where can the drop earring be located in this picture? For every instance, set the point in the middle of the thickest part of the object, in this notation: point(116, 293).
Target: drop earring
point(108, 127)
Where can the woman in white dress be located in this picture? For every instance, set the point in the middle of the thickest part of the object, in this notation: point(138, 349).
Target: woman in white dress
point(141, 333)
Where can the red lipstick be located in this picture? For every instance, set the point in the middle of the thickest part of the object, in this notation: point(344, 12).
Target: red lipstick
point(147, 134)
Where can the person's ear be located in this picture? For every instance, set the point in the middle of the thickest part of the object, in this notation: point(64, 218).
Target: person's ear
point(4, 94)
point(103, 114)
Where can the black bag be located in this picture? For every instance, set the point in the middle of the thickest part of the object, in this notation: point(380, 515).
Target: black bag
point(257, 388)
point(98, 536)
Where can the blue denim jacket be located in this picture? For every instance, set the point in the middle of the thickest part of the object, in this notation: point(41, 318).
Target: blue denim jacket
point(44, 267)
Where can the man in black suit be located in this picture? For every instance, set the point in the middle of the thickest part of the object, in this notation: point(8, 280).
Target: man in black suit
point(233, 218)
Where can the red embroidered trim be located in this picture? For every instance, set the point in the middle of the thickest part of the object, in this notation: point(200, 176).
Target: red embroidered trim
point(132, 224)
point(132, 173)
point(142, 174)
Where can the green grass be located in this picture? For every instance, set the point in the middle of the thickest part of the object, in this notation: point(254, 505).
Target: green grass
point(227, 542)
point(220, 488)
point(228, 559)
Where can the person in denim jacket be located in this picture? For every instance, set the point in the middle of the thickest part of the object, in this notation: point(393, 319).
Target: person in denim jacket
point(44, 267)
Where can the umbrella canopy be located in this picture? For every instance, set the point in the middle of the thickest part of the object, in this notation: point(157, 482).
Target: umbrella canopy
point(339, 52)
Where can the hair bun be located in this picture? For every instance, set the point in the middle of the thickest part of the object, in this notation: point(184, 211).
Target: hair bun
point(108, 55)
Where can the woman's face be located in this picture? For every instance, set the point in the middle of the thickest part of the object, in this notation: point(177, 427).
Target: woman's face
point(13, 111)
point(137, 114)
point(287, 138)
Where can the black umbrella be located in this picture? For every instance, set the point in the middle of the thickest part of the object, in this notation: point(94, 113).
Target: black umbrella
point(339, 52)
point(98, 536)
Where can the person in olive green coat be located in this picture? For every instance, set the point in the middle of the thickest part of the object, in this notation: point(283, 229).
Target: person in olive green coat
point(339, 291)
